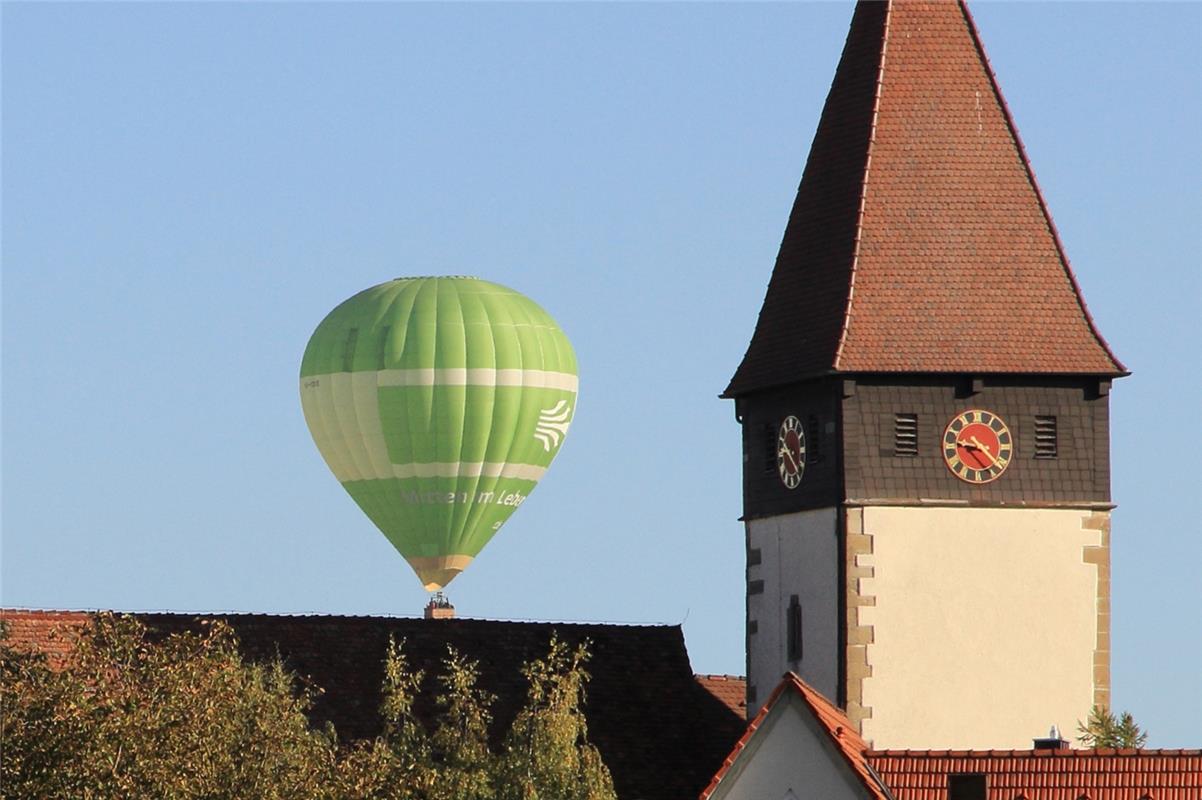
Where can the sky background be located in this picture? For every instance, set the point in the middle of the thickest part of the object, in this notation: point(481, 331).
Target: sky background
point(189, 189)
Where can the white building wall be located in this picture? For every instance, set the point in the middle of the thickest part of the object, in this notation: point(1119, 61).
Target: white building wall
point(984, 625)
point(788, 753)
point(798, 556)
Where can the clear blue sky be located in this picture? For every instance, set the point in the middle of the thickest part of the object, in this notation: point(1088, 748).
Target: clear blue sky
point(188, 189)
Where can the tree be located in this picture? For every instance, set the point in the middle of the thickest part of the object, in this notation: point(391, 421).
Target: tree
point(1104, 729)
point(547, 754)
point(186, 716)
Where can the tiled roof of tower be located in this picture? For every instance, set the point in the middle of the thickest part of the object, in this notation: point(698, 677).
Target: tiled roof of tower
point(919, 240)
point(1045, 774)
point(661, 733)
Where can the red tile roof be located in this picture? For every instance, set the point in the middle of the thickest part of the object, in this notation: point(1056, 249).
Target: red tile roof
point(919, 240)
point(730, 689)
point(1045, 774)
point(661, 734)
point(48, 632)
point(1009, 774)
point(838, 727)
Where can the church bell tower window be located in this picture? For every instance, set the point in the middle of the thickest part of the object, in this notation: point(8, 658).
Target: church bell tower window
point(1045, 437)
point(768, 436)
point(814, 452)
point(793, 628)
point(905, 435)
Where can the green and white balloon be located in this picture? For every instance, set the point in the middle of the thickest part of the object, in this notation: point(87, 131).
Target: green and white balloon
point(438, 404)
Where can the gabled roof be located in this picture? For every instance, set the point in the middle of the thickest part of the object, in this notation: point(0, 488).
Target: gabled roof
point(1045, 774)
point(832, 721)
point(1101, 774)
point(919, 240)
point(730, 689)
point(661, 734)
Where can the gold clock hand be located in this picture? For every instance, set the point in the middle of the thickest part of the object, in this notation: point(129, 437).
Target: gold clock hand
point(984, 449)
point(787, 452)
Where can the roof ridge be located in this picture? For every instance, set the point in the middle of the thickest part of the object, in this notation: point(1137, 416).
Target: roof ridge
point(855, 256)
point(919, 224)
point(820, 708)
point(32, 611)
point(1095, 752)
point(1030, 171)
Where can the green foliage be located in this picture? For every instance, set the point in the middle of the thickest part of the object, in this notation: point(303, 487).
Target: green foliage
point(1104, 729)
point(188, 717)
point(547, 754)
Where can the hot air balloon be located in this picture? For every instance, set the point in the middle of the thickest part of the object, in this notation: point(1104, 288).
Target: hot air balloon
point(438, 403)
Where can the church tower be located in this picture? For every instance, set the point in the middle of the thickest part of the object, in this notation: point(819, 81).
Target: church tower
point(924, 410)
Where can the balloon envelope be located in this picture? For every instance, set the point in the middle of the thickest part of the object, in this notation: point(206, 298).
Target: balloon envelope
point(438, 404)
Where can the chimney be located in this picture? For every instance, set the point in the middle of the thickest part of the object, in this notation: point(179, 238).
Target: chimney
point(1053, 741)
point(439, 607)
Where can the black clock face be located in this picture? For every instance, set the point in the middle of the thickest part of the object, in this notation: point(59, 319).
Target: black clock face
point(790, 452)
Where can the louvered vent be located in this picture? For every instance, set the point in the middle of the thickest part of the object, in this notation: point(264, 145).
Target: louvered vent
point(769, 434)
point(813, 441)
point(1045, 437)
point(905, 435)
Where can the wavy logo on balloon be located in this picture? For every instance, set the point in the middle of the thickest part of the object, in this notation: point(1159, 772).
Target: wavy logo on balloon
point(552, 425)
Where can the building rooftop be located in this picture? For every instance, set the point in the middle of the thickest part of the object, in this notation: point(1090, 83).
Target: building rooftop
point(917, 189)
point(842, 733)
point(1045, 774)
point(660, 732)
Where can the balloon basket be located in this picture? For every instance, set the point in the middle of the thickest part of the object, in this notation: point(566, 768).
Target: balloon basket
point(439, 607)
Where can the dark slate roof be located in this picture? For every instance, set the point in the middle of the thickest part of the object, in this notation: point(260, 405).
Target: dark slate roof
point(919, 240)
point(661, 734)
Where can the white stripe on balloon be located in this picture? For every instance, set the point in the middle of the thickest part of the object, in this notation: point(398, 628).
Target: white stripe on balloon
point(365, 456)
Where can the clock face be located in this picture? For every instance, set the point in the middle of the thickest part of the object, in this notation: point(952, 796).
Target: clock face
point(977, 446)
point(790, 452)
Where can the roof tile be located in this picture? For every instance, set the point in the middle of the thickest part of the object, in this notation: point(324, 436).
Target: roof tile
point(1102, 774)
point(919, 240)
point(837, 726)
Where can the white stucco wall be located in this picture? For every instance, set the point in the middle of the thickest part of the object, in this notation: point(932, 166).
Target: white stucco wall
point(984, 625)
point(799, 555)
point(789, 752)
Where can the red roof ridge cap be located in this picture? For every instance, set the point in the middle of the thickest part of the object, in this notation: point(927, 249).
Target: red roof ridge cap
point(1096, 752)
point(45, 612)
point(30, 612)
point(751, 728)
point(1043, 205)
point(855, 255)
point(822, 709)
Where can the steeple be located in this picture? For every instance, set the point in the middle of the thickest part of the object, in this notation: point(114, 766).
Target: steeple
point(919, 241)
point(925, 414)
